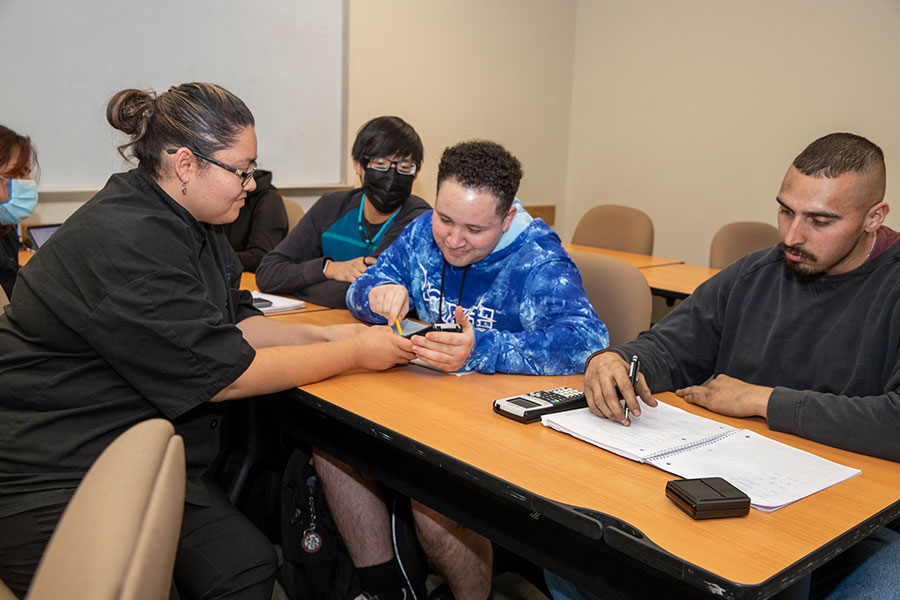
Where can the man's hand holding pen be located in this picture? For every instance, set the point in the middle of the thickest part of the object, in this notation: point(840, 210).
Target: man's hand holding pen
point(606, 377)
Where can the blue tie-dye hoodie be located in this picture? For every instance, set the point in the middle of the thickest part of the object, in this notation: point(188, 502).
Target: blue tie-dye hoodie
point(525, 299)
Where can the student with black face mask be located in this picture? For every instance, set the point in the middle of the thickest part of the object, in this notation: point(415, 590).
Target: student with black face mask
point(344, 232)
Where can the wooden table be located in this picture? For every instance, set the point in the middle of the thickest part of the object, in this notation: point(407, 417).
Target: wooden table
point(676, 281)
point(435, 437)
point(641, 261)
point(322, 316)
point(668, 278)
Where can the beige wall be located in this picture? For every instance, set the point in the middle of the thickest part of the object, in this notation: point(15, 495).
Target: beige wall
point(468, 69)
point(689, 110)
point(693, 110)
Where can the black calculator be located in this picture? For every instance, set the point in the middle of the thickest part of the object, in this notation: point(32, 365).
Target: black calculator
point(527, 408)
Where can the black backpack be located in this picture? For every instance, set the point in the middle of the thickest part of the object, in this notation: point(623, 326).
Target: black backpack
point(317, 565)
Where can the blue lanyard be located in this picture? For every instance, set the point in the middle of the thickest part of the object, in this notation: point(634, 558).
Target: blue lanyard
point(362, 230)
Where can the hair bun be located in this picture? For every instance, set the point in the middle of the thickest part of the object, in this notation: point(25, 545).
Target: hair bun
point(130, 110)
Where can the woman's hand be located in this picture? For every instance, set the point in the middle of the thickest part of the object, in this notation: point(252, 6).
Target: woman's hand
point(333, 333)
point(380, 348)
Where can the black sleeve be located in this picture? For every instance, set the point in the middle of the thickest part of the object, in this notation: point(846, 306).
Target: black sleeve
point(268, 225)
point(330, 293)
point(194, 354)
point(9, 260)
point(682, 348)
point(297, 262)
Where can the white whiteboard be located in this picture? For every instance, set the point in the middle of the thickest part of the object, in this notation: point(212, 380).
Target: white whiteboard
point(63, 60)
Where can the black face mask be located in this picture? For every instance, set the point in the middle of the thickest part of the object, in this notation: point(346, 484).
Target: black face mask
point(387, 190)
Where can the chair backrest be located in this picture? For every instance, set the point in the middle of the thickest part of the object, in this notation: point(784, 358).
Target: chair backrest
point(118, 535)
point(4, 300)
point(735, 240)
point(294, 211)
point(616, 228)
point(618, 292)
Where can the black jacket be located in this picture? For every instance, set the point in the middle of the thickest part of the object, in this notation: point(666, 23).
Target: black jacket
point(127, 313)
point(260, 225)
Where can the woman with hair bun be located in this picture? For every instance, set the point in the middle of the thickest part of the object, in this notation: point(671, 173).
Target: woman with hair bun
point(18, 196)
point(132, 311)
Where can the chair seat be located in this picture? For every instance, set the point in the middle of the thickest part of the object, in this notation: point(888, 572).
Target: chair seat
point(618, 292)
point(118, 535)
point(617, 228)
point(735, 240)
point(6, 593)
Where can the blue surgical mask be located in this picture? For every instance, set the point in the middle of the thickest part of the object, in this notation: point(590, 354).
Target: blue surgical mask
point(23, 196)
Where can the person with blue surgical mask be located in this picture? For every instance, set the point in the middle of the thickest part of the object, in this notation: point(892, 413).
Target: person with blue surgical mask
point(18, 197)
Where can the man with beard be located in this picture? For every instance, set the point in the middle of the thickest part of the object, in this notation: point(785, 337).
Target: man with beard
point(804, 334)
point(344, 232)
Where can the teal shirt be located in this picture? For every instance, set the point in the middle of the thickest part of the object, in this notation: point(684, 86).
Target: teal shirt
point(346, 238)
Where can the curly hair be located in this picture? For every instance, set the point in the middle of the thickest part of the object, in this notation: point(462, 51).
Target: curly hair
point(483, 165)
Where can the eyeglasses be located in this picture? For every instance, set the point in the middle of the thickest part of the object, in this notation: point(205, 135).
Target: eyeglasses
point(405, 167)
point(244, 175)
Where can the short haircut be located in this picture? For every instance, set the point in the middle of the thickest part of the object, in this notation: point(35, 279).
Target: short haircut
point(838, 153)
point(485, 166)
point(387, 136)
point(835, 154)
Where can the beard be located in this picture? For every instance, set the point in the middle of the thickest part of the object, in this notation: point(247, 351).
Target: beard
point(812, 270)
point(805, 273)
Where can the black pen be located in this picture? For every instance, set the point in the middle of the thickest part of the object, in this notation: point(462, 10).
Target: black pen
point(633, 375)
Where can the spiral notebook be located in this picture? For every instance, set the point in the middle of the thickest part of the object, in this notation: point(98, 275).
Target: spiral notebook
point(684, 444)
point(270, 303)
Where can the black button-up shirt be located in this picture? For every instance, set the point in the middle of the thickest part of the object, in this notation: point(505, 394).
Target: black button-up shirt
point(127, 313)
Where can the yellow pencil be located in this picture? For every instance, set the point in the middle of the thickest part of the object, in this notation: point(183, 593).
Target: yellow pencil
point(399, 329)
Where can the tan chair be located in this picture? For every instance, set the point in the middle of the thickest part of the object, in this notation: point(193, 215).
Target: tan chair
point(616, 228)
point(618, 292)
point(4, 300)
point(735, 240)
point(118, 535)
point(294, 211)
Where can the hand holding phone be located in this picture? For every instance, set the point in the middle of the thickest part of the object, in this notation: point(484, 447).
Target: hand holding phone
point(446, 346)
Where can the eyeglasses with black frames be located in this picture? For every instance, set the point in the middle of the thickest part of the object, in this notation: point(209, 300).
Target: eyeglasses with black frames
point(379, 163)
point(244, 175)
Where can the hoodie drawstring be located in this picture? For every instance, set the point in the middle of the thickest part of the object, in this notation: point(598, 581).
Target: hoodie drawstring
point(462, 283)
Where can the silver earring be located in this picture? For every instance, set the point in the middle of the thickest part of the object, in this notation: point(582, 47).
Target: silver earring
point(184, 188)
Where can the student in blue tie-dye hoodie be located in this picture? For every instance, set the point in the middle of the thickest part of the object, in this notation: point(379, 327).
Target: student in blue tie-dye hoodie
point(478, 259)
point(524, 309)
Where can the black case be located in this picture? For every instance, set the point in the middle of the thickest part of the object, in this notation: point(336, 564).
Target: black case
point(708, 498)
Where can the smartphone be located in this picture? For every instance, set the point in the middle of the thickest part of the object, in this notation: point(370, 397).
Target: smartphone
point(411, 327)
point(529, 407)
point(261, 302)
